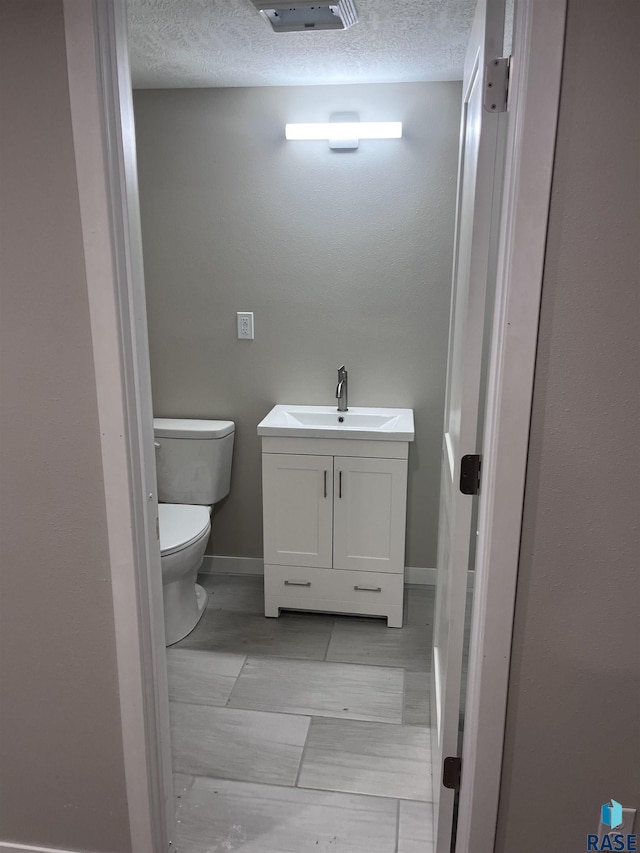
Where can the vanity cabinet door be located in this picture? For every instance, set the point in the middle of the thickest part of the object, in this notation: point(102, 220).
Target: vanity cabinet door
point(297, 496)
point(370, 497)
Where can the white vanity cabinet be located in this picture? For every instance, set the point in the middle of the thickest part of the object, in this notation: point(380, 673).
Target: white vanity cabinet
point(334, 525)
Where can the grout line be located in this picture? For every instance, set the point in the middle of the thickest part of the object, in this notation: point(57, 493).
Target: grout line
point(304, 749)
point(409, 668)
point(326, 651)
point(307, 790)
point(310, 715)
point(398, 826)
point(360, 794)
point(404, 698)
point(269, 711)
point(245, 781)
point(201, 703)
point(332, 662)
point(246, 660)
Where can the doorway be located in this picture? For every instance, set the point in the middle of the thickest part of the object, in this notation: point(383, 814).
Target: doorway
point(342, 255)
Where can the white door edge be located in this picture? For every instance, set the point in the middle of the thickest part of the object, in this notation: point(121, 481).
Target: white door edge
point(450, 454)
point(536, 75)
point(481, 160)
point(101, 110)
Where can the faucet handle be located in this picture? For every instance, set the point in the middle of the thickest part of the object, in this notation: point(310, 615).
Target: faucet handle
point(341, 390)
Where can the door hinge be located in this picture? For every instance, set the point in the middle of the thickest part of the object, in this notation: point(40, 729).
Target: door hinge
point(470, 466)
point(451, 772)
point(496, 85)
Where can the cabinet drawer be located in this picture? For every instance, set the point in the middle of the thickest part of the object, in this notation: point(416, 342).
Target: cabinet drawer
point(334, 590)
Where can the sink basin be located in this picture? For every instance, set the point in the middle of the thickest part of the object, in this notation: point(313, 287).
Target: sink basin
point(328, 422)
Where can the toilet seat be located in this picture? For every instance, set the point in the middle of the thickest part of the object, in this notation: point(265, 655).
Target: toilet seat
point(181, 525)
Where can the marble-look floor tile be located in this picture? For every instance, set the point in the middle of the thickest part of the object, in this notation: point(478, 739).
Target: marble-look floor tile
point(369, 641)
point(417, 704)
point(367, 758)
point(232, 744)
point(218, 816)
point(419, 603)
point(415, 833)
point(291, 635)
point(321, 689)
point(238, 593)
point(202, 678)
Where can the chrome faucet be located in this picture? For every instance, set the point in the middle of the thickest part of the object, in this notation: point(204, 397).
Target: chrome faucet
point(341, 390)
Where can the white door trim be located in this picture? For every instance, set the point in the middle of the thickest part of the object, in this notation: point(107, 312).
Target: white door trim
point(104, 144)
point(535, 93)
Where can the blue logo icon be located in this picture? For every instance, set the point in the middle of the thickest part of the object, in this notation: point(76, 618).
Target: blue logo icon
point(612, 814)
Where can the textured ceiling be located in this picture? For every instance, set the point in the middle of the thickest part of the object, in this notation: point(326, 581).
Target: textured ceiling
point(211, 43)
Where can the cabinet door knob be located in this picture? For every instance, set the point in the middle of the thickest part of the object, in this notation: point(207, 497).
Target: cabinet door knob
point(368, 588)
point(297, 583)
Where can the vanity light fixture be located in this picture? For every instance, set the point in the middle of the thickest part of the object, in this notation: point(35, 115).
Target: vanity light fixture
point(344, 133)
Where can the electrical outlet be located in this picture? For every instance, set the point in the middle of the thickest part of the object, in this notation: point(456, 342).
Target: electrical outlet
point(625, 828)
point(245, 325)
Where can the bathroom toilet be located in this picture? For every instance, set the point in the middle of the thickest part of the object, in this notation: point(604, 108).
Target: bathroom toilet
point(193, 463)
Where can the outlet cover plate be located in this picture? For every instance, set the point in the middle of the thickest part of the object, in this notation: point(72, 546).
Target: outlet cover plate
point(245, 325)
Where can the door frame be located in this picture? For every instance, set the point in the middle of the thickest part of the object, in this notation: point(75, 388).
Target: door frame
point(534, 98)
point(101, 106)
point(538, 48)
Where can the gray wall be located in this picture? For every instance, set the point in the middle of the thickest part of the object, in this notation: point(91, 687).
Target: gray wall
point(61, 764)
point(342, 257)
point(572, 737)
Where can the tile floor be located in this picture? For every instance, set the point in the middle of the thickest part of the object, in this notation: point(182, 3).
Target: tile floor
point(303, 734)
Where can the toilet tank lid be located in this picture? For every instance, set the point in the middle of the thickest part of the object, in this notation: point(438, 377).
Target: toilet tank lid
point(189, 428)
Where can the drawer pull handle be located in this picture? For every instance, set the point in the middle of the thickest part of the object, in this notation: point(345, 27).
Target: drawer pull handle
point(340, 484)
point(368, 588)
point(325, 484)
point(297, 583)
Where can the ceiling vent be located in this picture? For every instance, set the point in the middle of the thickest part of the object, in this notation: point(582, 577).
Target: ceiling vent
point(307, 15)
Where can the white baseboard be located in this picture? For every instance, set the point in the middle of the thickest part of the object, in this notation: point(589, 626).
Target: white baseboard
point(419, 575)
point(213, 565)
point(10, 847)
point(232, 565)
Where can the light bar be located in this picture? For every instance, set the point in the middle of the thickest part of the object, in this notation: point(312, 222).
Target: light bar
point(345, 130)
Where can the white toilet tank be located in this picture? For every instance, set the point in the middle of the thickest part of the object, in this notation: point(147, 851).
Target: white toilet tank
point(193, 460)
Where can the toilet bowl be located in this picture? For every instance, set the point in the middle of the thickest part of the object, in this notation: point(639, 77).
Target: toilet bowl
point(184, 533)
